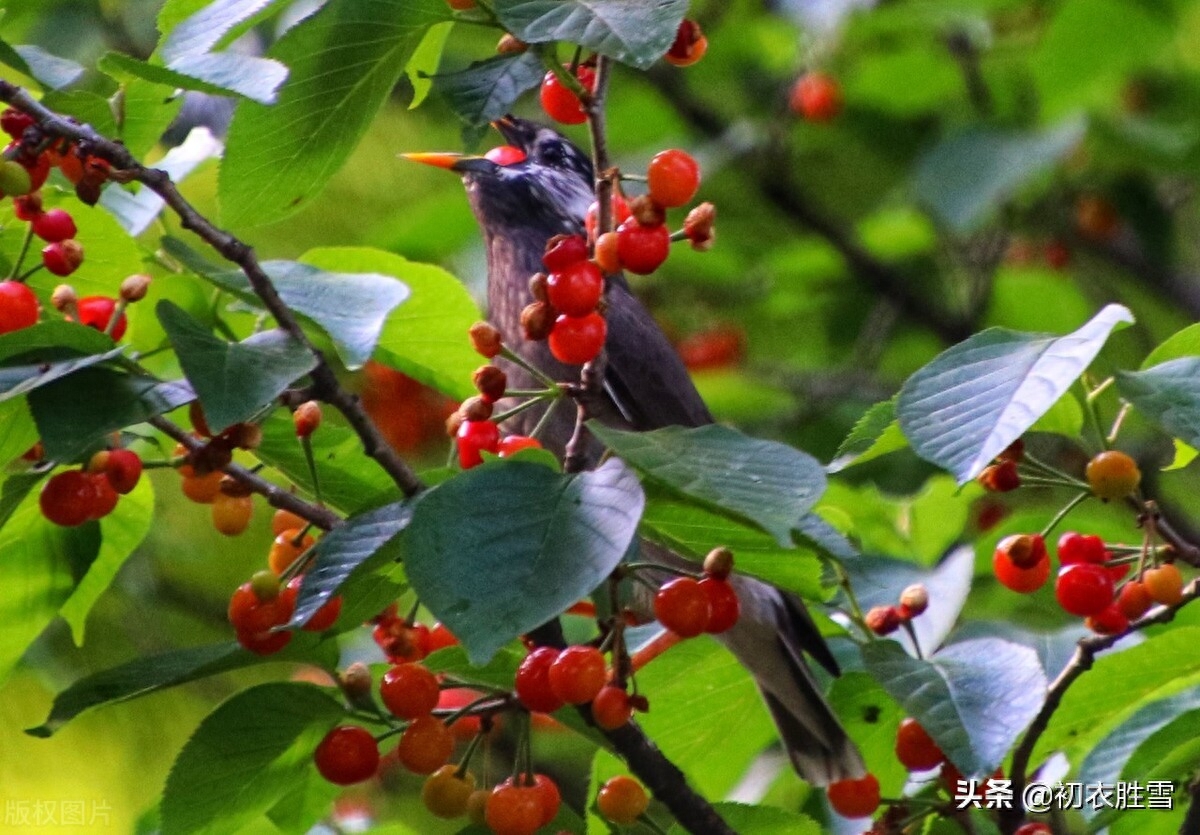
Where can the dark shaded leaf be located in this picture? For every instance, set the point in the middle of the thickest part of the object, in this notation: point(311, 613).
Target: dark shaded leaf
point(1168, 394)
point(486, 90)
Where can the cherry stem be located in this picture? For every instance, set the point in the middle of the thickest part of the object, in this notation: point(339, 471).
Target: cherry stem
point(912, 635)
point(12, 276)
point(1047, 469)
point(118, 312)
point(306, 445)
point(1062, 514)
point(517, 359)
point(632, 567)
point(544, 420)
point(520, 407)
point(23, 277)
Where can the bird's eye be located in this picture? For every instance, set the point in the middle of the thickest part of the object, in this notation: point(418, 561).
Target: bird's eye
point(551, 153)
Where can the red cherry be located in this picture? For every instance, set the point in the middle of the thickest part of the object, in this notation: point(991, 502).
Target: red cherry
point(1077, 548)
point(263, 643)
point(575, 340)
point(425, 746)
point(18, 306)
point(252, 612)
point(563, 251)
point(560, 103)
point(54, 225)
point(1110, 621)
point(505, 155)
point(68, 497)
point(465, 727)
point(97, 311)
point(578, 674)
point(854, 798)
point(672, 178)
point(104, 497)
point(13, 122)
point(348, 754)
point(1034, 829)
point(62, 257)
point(612, 707)
point(576, 289)
point(1023, 580)
point(620, 213)
point(27, 206)
point(533, 681)
point(473, 437)
point(689, 45)
point(514, 810)
point(439, 636)
point(409, 691)
point(1134, 600)
point(124, 469)
point(513, 444)
point(723, 603)
point(642, 249)
point(682, 606)
point(1084, 589)
point(622, 800)
point(915, 748)
point(816, 97)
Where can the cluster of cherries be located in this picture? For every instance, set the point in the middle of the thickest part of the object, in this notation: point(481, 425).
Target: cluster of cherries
point(884, 620)
point(471, 425)
point(72, 497)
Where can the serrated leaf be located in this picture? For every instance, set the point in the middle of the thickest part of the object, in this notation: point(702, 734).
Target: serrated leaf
point(766, 483)
point(486, 90)
point(343, 62)
point(49, 70)
point(497, 672)
point(637, 34)
point(954, 694)
point(974, 399)
point(351, 307)
point(876, 433)
point(121, 532)
point(151, 673)
point(492, 570)
point(1184, 343)
point(233, 380)
point(122, 66)
point(356, 546)
point(1168, 394)
point(965, 177)
point(204, 29)
point(243, 757)
point(115, 401)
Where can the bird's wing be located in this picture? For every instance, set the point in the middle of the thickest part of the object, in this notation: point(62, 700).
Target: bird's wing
point(645, 376)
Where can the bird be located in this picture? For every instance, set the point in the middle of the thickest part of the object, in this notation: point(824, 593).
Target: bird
point(519, 206)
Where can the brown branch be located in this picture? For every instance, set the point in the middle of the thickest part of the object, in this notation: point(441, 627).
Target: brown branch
point(275, 495)
point(1085, 655)
point(325, 383)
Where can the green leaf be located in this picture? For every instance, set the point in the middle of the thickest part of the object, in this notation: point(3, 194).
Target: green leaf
point(115, 400)
point(761, 820)
point(17, 380)
point(343, 64)
point(976, 398)
point(17, 431)
point(768, 484)
point(1168, 394)
point(967, 176)
point(144, 117)
point(49, 70)
point(50, 341)
point(1184, 455)
point(234, 380)
point(498, 672)
point(877, 433)
point(122, 66)
point(351, 307)
point(954, 694)
point(871, 717)
point(486, 90)
point(1065, 418)
point(244, 756)
point(148, 674)
point(637, 34)
point(121, 532)
point(424, 62)
point(492, 570)
point(356, 546)
point(1184, 343)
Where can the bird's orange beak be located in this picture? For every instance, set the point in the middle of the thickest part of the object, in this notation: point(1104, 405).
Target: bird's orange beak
point(438, 159)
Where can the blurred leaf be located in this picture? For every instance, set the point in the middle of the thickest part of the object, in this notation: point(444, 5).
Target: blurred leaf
point(244, 756)
point(121, 532)
point(487, 90)
point(967, 176)
point(761, 820)
point(1184, 343)
point(762, 482)
point(954, 694)
point(342, 66)
point(1184, 455)
point(1065, 418)
point(356, 546)
point(1168, 394)
point(1054, 649)
point(135, 212)
point(115, 401)
point(637, 34)
point(425, 61)
point(234, 380)
point(50, 70)
point(492, 570)
point(18, 433)
point(976, 398)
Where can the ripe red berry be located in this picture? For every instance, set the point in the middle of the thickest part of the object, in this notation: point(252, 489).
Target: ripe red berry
point(816, 97)
point(1110, 621)
point(682, 606)
point(18, 306)
point(622, 800)
point(505, 155)
point(1023, 580)
point(54, 225)
point(533, 681)
point(1001, 477)
point(723, 605)
point(425, 746)
point(512, 444)
point(578, 674)
point(38, 169)
point(1034, 829)
point(401, 642)
point(104, 497)
point(27, 207)
point(575, 340)
point(256, 606)
point(1083, 589)
point(263, 643)
point(465, 727)
point(514, 810)
point(672, 178)
point(13, 122)
point(620, 213)
point(915, 748)
point(124, 469)
point(883, 620)
point(473, 437)
point(575, 289)
point(550, 796)
point(324, 617)
point(1164, 584)
point(642, 249)
point(689, 45)
point(612, 707)
point(560, 103)
point(68, 497)
point(1077, 548)
point(854, 798)
point(563, 251)
point(62, 257)
point(1134, 599)
point(1113, 475)
point(348, 754)
point(409, 691)
point(97, 311)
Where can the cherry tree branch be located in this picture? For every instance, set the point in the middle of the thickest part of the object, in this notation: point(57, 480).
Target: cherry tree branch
point(325, 383)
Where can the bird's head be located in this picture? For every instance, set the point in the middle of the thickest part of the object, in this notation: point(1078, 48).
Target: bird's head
point(545, 194)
